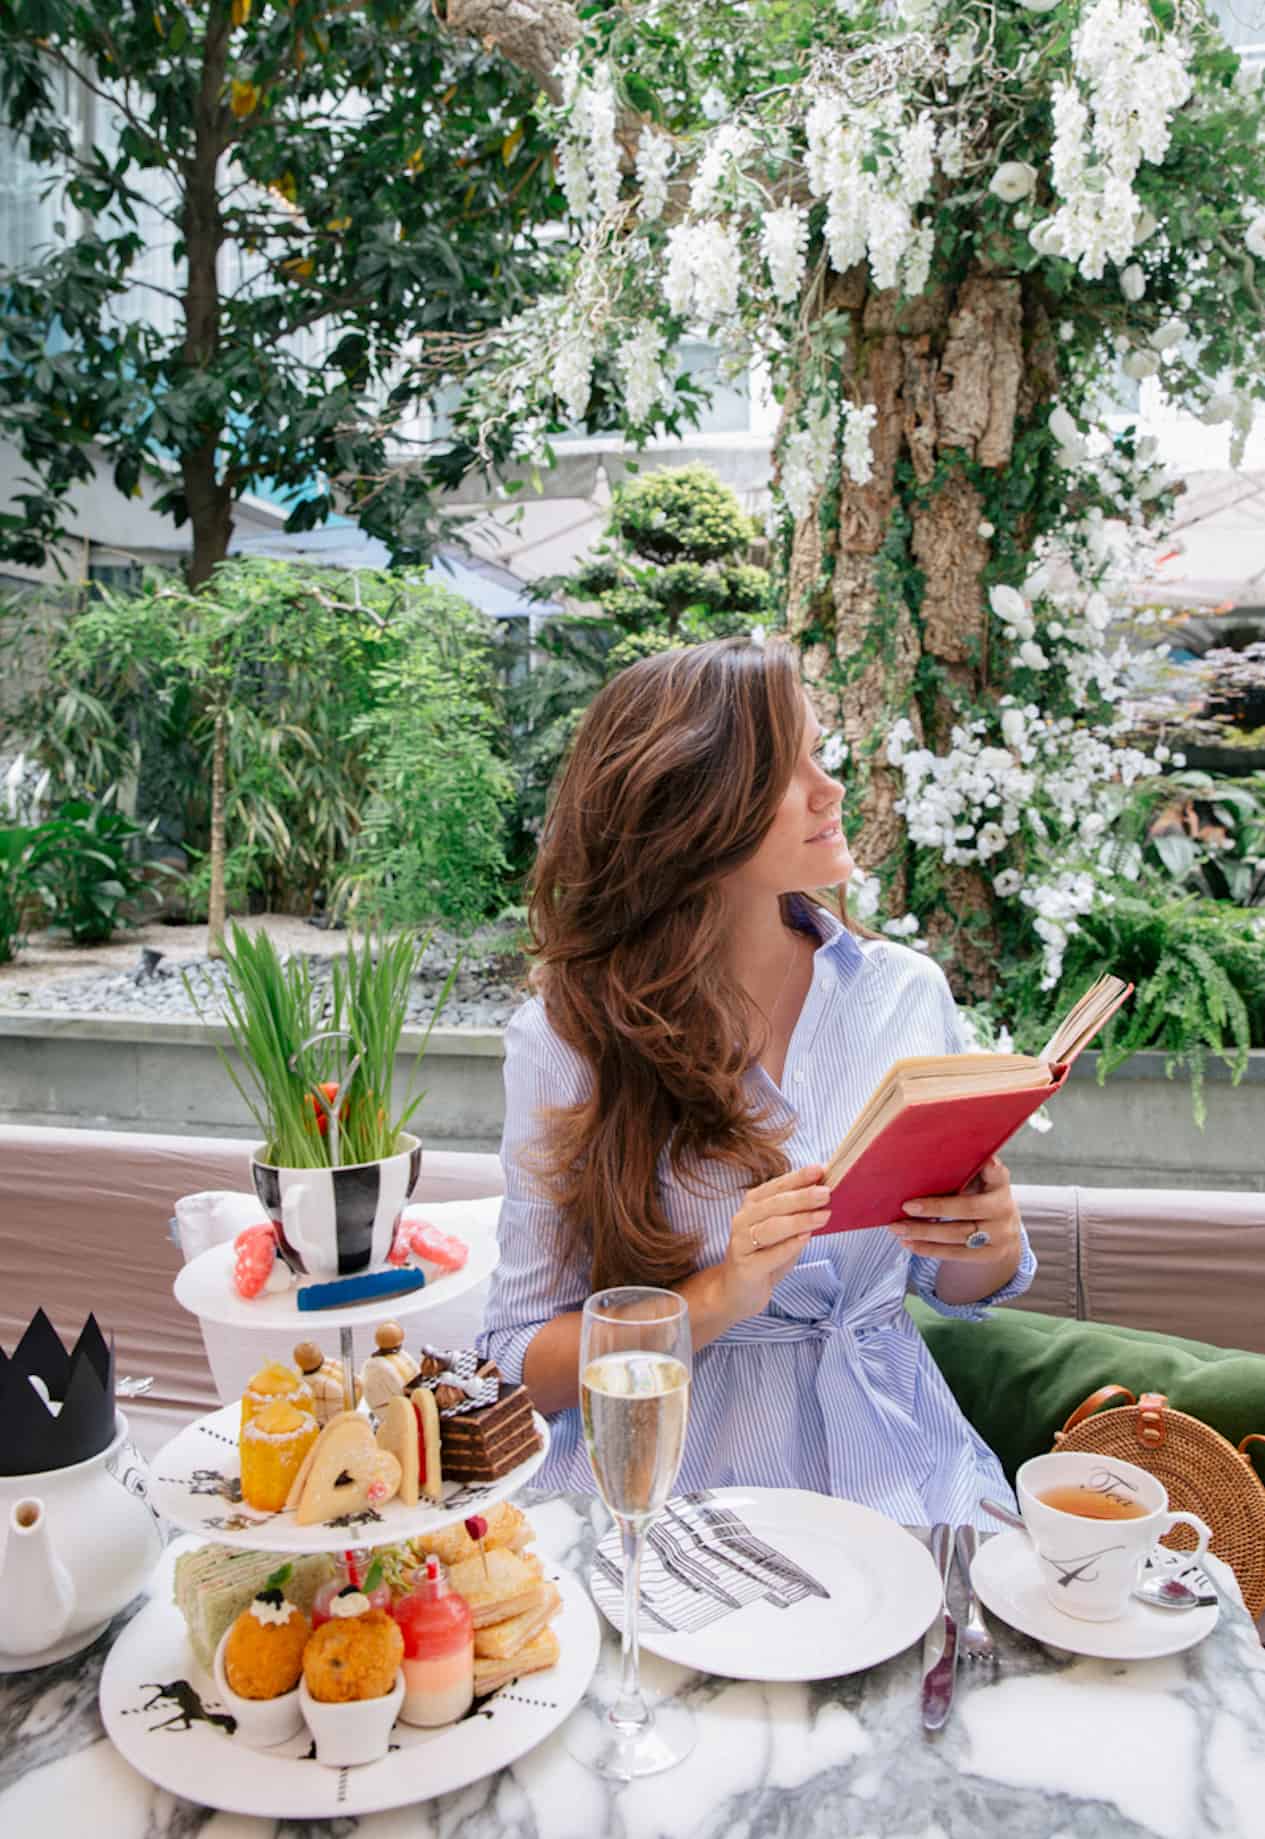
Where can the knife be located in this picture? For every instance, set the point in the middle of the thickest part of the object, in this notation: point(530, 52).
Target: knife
point(940, 1643)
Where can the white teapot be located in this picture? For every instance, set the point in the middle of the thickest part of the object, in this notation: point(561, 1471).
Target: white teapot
point(76, 1545)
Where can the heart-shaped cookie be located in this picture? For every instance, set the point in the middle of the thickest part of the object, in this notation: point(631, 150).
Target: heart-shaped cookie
point(344, 1472)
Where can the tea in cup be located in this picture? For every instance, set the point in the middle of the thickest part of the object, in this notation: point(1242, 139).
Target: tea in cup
point(1094, 1521)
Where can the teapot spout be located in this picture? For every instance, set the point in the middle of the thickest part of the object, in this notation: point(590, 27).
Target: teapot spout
point(37, 1597)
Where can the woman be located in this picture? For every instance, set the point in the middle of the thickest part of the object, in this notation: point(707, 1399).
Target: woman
point(702, 1035)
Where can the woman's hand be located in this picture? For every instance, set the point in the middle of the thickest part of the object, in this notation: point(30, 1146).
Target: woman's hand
point(768, 1232)
point(942, 1225)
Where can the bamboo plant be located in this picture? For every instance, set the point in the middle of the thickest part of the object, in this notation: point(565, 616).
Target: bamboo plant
point(317, 1060)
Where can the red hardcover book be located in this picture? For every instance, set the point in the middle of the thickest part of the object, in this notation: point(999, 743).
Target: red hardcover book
point(932, 1123)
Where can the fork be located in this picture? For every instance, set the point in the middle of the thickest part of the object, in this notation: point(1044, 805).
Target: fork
point(974, 1639)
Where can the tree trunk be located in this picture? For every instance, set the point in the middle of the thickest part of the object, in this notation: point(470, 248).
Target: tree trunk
point(215, 895)
point(531, 33)
point(894, 586)
point(207, 495)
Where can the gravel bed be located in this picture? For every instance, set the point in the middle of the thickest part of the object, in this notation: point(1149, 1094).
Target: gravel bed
point(487, 990)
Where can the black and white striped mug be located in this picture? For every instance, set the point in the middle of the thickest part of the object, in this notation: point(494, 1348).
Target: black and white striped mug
point(336, 1222)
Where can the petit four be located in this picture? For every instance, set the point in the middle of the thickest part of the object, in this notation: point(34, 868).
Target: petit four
point(324, 1374)
point(273, 1447)
point(352, 1686)
point(343, 1472)
point(409, 1429)
point(255, 1260)
point(263, 1650)
point(388, 1369)
point(487, 1427)
point(214, 1584)
point(272, 1382)
point(438, 1632)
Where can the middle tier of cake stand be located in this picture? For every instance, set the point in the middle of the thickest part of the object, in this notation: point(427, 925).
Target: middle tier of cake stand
point(195, 1483)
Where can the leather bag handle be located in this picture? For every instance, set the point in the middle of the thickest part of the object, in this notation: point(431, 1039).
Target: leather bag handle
point(1255, 1437)
point(1149, 1425)
point(1091, 1405)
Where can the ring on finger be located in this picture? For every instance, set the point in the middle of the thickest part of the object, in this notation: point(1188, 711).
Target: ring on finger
point(977, 1239)
point(755, 1243)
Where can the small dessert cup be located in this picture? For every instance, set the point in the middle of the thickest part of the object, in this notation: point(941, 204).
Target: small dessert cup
point(261, 1723)
point(354, 1730)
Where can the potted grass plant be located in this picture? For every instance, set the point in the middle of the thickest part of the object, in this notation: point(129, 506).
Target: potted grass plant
point(316, 1069)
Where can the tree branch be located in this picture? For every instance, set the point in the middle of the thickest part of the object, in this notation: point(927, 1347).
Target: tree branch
point(531, 33)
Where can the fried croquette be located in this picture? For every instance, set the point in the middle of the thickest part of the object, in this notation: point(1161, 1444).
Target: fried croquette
point(264, 1659)
point(353, 1657)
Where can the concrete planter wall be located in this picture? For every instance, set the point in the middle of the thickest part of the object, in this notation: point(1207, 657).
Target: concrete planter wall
point(130, 1073)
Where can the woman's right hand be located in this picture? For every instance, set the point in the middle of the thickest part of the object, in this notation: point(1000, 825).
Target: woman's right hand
point(768, 1233)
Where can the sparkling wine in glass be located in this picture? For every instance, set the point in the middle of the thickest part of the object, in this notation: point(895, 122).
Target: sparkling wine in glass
point(635, 1400)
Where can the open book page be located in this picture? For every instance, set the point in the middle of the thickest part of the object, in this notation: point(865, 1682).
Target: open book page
point(1081, 1024)
point(926, 1080)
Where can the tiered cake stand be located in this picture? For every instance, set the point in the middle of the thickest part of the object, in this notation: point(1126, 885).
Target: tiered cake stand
point(162, 1711)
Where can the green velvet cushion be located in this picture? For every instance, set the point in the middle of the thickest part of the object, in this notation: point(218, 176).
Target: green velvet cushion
point(1019, 1376)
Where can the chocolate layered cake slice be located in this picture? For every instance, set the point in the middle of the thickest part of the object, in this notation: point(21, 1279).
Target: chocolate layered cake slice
point(484, 1444)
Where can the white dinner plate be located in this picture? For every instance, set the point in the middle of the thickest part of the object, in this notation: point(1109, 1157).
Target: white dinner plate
point(163, 1715)
point(196, 1484)
point(205, 1286)
point(1007, 1580)
point(774, 1584)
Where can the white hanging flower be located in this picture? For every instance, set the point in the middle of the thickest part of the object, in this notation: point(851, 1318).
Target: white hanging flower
point(1013, 180)
point(1132, 282)
point(714, 103)
point(655, 158)
point(858, 457)
point(951, 151)
point(721, 154)
point(863, 893)
point(834, 751)
point(1168, 336)
point(574, 173)
point(805, 459)
point(1254, 238)
point(573, 373)
point(678, 275)
point(715, 260)
point(598, 110)
point(985, 529)
point(903, 928)
point(1031, 656)
point(917, 267)
point(1014, 728)
point(639, 370)
point(1046, 237)
point(1141, 364)
point(1039, 6)
point(1144, 228)
point(783, 244)
point(1067, 434)
point(1008, 604)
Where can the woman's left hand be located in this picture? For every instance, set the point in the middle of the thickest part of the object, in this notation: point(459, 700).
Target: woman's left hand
point(941, 1225)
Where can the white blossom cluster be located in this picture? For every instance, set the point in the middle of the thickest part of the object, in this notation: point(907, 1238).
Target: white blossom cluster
point(1129, 78)
point(703, 270)
point(589, 161)
point(874, 168)
point(655, 160)
point(805, 458)
point(639, 365)
point(784, 246)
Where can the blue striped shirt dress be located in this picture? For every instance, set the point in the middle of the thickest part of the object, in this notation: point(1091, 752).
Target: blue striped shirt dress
point(830, 1388)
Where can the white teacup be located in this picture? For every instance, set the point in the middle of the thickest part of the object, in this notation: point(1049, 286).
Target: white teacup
point(1090, 1565)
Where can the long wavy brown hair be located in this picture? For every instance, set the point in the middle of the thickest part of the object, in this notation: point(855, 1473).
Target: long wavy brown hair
point(673, 780)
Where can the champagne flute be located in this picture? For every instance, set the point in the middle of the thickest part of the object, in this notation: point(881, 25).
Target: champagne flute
point(634, 1400)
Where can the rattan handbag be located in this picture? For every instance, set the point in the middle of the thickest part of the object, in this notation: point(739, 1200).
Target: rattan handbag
point(1203, 1473)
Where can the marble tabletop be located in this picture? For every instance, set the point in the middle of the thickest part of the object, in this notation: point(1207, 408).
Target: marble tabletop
point(1050, 1748)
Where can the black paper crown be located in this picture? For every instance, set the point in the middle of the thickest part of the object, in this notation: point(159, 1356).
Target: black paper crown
point(33, 1437)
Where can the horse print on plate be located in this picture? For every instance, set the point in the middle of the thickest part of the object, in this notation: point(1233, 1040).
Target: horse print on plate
point(702, 1562)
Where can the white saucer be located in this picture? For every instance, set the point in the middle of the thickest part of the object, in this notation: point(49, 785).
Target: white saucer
point(1007, 1580)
